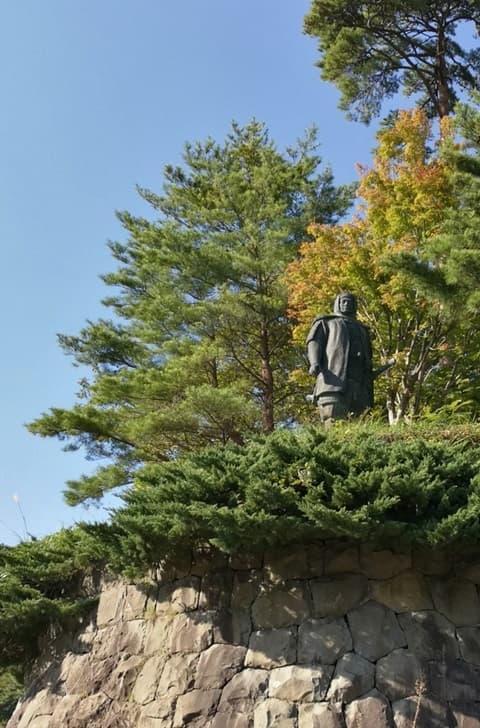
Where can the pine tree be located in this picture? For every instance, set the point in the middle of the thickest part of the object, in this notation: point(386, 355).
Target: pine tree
point(197, 350)
point(374, 48)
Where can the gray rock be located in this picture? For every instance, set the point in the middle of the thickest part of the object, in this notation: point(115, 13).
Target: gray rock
point(316, 559)
point(243, 690)
point(353, 677)
point(246, 585)
point(297, 683)
point(399, 673)
point(383, 564)
point(127, 638)
point(469, 643)
point(271, 648)
point(195, 704)
point(334, 597)
point(232, 626)
point(453, 680)
point(405, 592)
point(280, 607)
point(472, 573)
point(218, 665)
point(216, 590)
point(457, 599)
point(371, 710)
point(190, 634)
point(429, 635)
point(321, 715)
point(420, 712)
point(466, 714)
point(432, 562)
point(158, 713)
point(178, 596)
point(232, 719)
point(135, 601)
point(375, 631)
point(243, 561)
point(340, 558)
point(110, 605)
point(287, 563)
point(178, 675)
point(147, 681)
point(120, 682)
point(273, 712)
point(323, 641)
point(157, 635)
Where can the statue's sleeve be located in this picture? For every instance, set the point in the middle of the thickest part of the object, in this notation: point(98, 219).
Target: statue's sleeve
point(316, 343)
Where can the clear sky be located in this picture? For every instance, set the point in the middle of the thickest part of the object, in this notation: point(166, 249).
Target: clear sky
point(97, 95)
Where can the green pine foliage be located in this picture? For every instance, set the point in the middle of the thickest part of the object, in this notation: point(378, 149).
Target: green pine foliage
point(373, 49)
point(361, 482)
point(197, 350)
point(10, 690)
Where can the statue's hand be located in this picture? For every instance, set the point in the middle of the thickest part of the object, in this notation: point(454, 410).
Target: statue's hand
point(314, 370)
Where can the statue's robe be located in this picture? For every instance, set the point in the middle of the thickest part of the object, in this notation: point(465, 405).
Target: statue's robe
point(341, 347)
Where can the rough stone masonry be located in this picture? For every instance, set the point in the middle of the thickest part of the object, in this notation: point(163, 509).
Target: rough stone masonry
point(328, 635)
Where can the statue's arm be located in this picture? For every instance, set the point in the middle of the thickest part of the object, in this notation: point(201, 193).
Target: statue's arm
point(316, 343)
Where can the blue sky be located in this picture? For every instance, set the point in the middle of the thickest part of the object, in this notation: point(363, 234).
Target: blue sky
point(96, 97)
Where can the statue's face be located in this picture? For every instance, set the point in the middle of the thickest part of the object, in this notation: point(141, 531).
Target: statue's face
point(346, 305)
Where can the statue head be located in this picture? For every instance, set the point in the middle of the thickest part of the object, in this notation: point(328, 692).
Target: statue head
point(345, 304)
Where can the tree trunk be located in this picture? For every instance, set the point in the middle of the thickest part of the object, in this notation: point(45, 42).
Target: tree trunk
point(443, 92)
point(267, 380)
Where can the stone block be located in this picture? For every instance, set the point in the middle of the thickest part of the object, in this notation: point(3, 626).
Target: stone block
point(457, 599)
point(208, 560)
point(190, 634)
point(273, 712)
point(218, 665)
point(110, 605)
point(465, 714)
point(280, 607)
point(321, 715)
point(178, 596)
point(125, 638)
point(232, 719)
point(157, 635)
point(371, 710)
point(42, 704)
point(420, 712)
point(341, 559)
point(271, 648)
point(399, 673)
point(471, 572)
point(216, 590)
point(194, 705)
point(177, 676)
point(173, 568)
point(405, 592)
point(246, 562)
point(316, 559)
point(296, 683)
point(232, 626)
point(375, 631)
point(282, 564)
point(383, 564)
point(432, 562)
point(243, 690)
point(146, 684)
point(119, 683)
point(246, 585)
point(335, 596)
point(469, 643)
point(323, 640)
point(429, 635)
point(135, 601)
point(353, 677)
point(453, 680)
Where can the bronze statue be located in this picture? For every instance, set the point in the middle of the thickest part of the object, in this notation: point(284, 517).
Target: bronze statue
point(340, 356)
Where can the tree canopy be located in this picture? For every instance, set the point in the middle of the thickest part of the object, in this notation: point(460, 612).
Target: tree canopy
point(197, 349)
point(404, 255)
point(374, 48)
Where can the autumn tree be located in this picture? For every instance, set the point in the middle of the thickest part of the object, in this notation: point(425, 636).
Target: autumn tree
point(373, 49)
point(390, 255)
point(196, 350)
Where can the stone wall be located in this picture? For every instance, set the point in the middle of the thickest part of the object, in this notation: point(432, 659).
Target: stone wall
point(329, 635)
